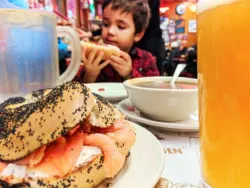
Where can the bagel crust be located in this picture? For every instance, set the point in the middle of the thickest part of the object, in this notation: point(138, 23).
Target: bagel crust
point(27, 124)
point(87, 176)
point(104, 113)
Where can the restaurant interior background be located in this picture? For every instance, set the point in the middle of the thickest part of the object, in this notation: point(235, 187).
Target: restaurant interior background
point(178, 23)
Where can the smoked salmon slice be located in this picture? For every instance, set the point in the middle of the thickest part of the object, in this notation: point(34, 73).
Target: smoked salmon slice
point(124, 135)
point(61, 156)
point(33, 158)
point(73, 130)
point(2, 166)
point(72, 151)
point(53, 158)
point(113, 159)
point(102, 130)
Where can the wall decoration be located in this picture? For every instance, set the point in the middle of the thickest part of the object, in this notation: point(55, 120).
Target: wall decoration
point(180, 9)
point(180, 26)
point(171, 27)
point(192, 26)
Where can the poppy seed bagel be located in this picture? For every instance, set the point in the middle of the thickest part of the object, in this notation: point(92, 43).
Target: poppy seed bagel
point(104, 113)
point(28, 123)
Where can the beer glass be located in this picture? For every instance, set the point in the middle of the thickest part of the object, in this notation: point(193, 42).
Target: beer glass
point(224, 91)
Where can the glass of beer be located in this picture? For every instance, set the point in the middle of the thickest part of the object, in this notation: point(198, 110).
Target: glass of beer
point(224, 91)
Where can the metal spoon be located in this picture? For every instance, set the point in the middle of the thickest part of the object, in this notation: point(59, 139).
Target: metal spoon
point(178, 70)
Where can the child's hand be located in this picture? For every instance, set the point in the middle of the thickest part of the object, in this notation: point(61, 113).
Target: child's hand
point(122, 64)
point(92, 64)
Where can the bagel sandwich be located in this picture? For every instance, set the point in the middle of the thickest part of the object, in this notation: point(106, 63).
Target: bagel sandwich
point(62, 137)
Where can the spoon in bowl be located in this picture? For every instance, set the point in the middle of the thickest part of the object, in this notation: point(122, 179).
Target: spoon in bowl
point(178, 70)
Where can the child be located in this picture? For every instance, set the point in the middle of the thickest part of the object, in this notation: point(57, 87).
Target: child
point(124, 23)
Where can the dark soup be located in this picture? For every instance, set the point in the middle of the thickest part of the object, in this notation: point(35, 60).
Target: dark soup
point(167, 85)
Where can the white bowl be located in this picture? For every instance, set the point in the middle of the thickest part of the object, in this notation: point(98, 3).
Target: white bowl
point(163, 104)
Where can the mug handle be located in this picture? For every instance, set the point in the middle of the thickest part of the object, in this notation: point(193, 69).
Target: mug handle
point(74, 65)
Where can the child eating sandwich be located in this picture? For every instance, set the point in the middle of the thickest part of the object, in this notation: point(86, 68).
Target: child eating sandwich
point(124, 24)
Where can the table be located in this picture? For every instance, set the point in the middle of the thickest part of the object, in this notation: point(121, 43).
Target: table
point(182, 158)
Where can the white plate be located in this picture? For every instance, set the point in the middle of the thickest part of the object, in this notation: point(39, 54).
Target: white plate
point(111, 91)
point(134, 114)
point(144, 165)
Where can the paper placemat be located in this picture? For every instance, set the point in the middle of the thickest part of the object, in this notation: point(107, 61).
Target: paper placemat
point(182, 159)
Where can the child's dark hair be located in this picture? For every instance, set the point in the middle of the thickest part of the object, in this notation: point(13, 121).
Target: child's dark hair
point(139, 9)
